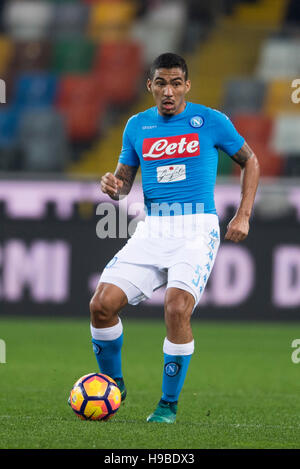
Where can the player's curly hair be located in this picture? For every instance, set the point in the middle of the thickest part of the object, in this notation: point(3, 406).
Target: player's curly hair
point(168, 60)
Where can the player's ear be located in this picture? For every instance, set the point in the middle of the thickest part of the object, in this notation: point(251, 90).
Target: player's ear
point(188, 85)
point(148, 84)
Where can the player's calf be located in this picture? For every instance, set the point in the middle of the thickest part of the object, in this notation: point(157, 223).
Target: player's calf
point(107, 331)
point(178, 309)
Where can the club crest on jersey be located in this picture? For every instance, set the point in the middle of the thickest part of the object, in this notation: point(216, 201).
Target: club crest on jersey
point(196, 121)
point(175, 146)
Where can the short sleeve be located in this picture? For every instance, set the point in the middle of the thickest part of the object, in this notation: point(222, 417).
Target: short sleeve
point(128, 154)
point(227, 137)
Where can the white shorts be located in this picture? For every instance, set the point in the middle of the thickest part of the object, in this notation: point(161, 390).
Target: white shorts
point(176, 251)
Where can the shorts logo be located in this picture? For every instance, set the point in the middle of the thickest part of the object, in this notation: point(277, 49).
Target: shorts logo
point(197, 121)
point(111, 262)
point(172, 369)
point(178, 146)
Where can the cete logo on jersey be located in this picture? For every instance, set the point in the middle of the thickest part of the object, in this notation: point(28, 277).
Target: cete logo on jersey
point(177, 146)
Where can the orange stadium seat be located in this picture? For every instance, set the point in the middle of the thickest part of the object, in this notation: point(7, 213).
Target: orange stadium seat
point(257, 130)
point(78, 88)
point(81, 100)
point(271, 162)
point(254, 126)
point(119, 66)
point(119, 54)
point(83, 120)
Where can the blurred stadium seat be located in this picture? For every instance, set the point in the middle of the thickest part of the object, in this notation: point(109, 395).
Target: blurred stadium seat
point(286, 134)
point(278, 98)
point(78, 88)
point(42, 141)
point(73, 55)
point(35, 90)
point(243, 95)
point(6, 52)
point(9, 121)
point(119, 68)
point(254, 126)
point(225, 164)
point(83, 102)
point(279, 58)
point(162, 29)
point(83, 121)
point(271, 163)
point(70, 19)
point(257, 129)
point(28, 19)
point(110, 20)
point(31, 55)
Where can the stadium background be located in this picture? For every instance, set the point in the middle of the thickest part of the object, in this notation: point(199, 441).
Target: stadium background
point(74, 72)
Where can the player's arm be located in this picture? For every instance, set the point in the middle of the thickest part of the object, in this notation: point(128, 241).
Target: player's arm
point(120, 182)
point(238, 227)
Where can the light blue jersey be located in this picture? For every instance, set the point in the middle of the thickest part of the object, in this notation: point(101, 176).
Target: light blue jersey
point(179, 155)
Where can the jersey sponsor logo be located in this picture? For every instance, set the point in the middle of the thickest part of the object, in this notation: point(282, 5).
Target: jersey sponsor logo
point(178, 146)
point(196, 121)
point(171, 173)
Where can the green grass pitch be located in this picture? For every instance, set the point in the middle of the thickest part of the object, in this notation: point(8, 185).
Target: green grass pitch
point(242, 388)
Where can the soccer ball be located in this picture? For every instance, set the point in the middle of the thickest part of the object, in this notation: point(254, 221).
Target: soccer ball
point(95, 397)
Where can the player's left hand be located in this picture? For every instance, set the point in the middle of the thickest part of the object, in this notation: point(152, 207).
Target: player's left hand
point(237, 228)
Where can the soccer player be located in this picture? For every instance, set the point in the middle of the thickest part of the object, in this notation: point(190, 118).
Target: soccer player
point(176, 145)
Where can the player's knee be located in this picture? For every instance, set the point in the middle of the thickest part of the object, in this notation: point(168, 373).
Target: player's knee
point(101, 309)
point(177, 310)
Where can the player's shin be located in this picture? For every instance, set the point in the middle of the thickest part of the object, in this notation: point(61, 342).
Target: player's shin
point(107, 345)
point(176, 362)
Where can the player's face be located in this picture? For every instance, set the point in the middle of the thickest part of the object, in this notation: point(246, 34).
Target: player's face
point(169, 88)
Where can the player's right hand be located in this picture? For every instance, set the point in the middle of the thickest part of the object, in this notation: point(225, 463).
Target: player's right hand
point(111, 185)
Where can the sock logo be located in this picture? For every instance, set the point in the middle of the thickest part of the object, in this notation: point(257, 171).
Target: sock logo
point(96, 348)
point(172, 369)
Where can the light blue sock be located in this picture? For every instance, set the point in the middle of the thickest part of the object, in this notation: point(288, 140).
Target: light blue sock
point(176, 365)
point(107, 346)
